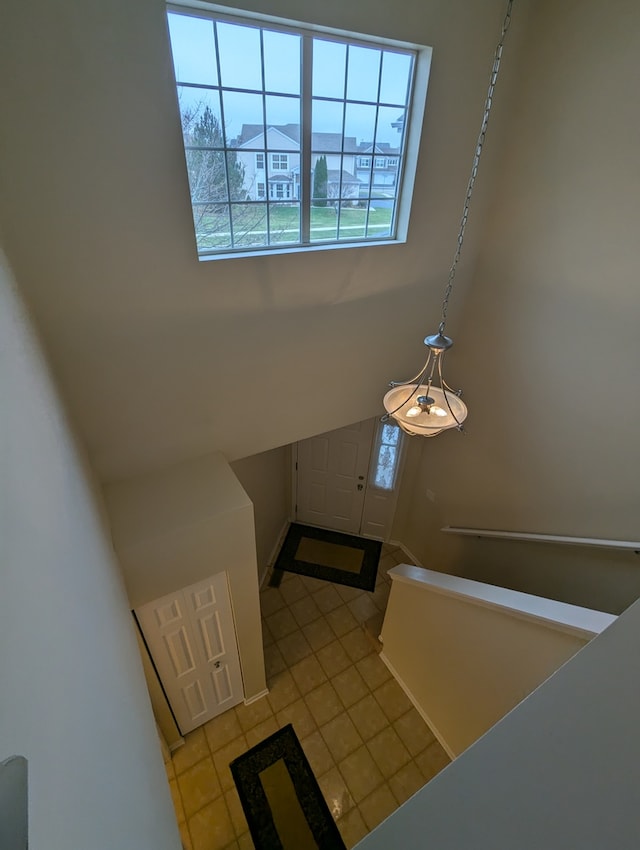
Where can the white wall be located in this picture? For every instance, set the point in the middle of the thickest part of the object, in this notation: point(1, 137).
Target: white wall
point(73, 700)
point(266, 477)
point(180, 525)
point(560, 771)
point(469, 652)
point(163, 358)
point(548, 348)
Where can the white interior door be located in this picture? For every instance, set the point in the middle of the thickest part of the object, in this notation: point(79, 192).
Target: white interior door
point(332, 477)
point(191, 638)
point(346, 480)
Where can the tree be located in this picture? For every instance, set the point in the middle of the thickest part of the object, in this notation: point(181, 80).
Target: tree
point(320, 182)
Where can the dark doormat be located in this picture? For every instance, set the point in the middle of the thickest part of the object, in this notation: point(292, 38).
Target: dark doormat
point(328, 555)
point(281, 798)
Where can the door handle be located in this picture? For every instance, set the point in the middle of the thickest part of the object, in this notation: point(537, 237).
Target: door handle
point(217, 665)
point(360, 486)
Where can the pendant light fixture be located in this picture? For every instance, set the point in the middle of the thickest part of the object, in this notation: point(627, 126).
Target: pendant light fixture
point(426, 404)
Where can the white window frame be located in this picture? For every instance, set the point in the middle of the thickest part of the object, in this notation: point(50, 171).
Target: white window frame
point(376, 456)
point(259, 162)
point(364, 162)
point(414, 116)
point(379, 162)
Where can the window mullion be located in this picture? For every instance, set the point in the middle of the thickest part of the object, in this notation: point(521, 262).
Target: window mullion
point(305, 140)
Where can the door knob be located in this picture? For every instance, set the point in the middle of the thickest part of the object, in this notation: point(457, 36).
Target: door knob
point(217, 665)
point(360, 486)
point(360, 477)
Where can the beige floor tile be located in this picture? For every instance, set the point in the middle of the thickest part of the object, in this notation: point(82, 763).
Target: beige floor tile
point(282, 623)
point(245, 842)
point(294, 648)
point(318, 754)
point(177, 801)
point(292, 589)
point(386, 563)
point(341, 620)
point(198, 785)
point(413, 731)
point(328, 599)
point(363, 607)
point(393, 700)
point(319, 633)
point(335, 792)
point(267, 637)
point(432, 760)
point(361, 773)
point(377, 806)
point(313, 584)
point(305, 610)
point(388, 751)
point(225, 756)
point(185, 836)
point(261, 731)
point(348, 593)
point(406, 782)
point(222, 729)
point(283, 691)
point(374, 671)
point(368, 717)
point(211, 827)
point(308, 674)
point(274, 663)
point(236, 813)
point(352, 828)
point(254, 713)
point(323, 703)
point(299, 715)
point(341, 736)
point(333, 658)
point(356, 644)
point(350, 686)
point(381, 596)
point(271, 600)
point(193, 750)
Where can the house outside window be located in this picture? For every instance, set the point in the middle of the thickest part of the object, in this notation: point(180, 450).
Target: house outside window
point(380, 162)
point(241, 85)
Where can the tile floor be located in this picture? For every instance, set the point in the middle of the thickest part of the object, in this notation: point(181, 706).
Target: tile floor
point(368, 747)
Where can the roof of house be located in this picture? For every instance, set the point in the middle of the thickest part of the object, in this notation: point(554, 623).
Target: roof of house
point(320, 142)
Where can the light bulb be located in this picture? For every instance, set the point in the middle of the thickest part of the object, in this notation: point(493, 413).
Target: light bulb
point(414, 411)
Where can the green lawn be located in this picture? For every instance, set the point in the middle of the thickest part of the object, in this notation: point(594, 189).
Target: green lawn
point(250, 225)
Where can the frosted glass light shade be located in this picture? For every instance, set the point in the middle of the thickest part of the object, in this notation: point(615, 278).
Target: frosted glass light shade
point(423, 423)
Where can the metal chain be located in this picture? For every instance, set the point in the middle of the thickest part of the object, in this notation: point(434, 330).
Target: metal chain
point(476, 160)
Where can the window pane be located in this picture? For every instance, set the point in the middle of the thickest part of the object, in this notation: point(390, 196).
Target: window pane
point(329, 58)
point(352, 221)
point(360, 121)
point(386, 467)
point(282, 64)
point(284, 114)
point(380, 218)
point(390, 126)
point(326, 118)
point(390, 434)
point(207, 176)
point(240, 65)
point(249, 225)
point(324, 223)
point(284, 223)
point(243, 119)
point(212, 226)
point(200, 117)
point(363, 73)
point(396, 68)
point(236, 177)
point(194, 49)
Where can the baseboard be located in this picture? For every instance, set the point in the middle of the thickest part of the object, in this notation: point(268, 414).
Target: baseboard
point(176, 745)
point(407, 552)
point(274, 552)
point(416, 705)
point(256, 697)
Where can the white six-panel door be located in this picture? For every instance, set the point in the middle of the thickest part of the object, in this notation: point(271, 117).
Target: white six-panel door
point(191, 638)
point(332, 477)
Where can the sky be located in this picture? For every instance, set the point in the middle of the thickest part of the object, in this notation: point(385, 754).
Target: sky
point(193, 46)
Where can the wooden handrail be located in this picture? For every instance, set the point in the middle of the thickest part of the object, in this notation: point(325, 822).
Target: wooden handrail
point(625, 545)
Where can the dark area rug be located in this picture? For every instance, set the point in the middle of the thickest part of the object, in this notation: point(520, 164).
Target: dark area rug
point(328, 555)
point(281, 798)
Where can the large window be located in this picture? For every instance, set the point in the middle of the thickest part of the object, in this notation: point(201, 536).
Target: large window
point(263, 105)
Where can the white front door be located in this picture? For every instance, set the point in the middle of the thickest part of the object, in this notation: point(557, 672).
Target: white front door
point(332, 477)
point(191, 638)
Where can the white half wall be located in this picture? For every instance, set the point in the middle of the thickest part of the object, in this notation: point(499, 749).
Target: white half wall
point(73, 697)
